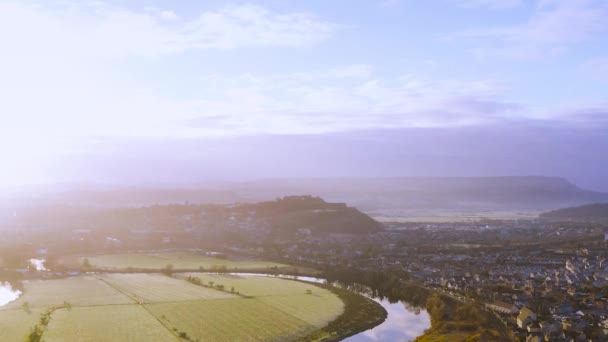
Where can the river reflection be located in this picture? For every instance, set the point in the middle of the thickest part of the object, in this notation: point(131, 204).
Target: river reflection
point(7, 294)
point(402, 324)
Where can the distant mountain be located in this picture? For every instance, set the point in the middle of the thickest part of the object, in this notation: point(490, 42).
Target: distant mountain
point(586, 212)
point(431, 193)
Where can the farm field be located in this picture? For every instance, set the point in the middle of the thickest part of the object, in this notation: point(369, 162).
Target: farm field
point(106, 323)
point(78, 291)
point(317, 308)
point(151, 288)
point(257, 286)
point(231, 320)
point(179, 260)
point(15, 324)
point(156, 307)
point(449, 216)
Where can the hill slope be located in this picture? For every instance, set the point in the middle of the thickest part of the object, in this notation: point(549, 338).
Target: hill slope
point(290, 214)
point(589, 211)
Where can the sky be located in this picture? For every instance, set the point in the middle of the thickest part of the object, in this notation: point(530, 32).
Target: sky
point(192, 91)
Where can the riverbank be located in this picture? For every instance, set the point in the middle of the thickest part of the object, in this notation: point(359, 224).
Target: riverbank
point(451, 320)
point(454, 321)
point(360, 314)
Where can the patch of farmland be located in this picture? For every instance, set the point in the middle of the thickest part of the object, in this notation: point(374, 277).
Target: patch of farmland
point(236, 319)
point(257, 286)
point(317, 308)
point(15, 324)
point(160, 288)
point(128, 260)
point(179, 260)
point(78, 291)
point(106, 323)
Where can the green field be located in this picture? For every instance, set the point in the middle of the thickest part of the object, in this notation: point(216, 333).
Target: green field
point(156, 307)
point(450, 216)
point(179, 260)
point(153, 288)
point(317, 308)
point(231, 320)
point(15, 324)
point(106, 323)
point(78, 291)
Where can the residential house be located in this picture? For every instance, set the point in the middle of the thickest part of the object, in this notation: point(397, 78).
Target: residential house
point(525, 318)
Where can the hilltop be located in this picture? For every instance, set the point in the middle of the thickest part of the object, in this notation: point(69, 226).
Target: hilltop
point(295, 213)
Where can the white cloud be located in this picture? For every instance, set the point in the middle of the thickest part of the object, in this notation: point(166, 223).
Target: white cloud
point(492, 4)
point(236, 26)
point(168, 15)
point(162, 14)
point(59, 76)
point(57, 81)
point(347, 97)
point(555, 26)
point(104, 30)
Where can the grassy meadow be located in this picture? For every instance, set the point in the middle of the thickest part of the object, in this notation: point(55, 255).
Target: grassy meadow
point(154, 288)
point(179, 260)
point(450, 216)
point(106, 323)
point(78, 291)
point(231, 320)
point(15, 324)
point(157, 307)
point(317, 308)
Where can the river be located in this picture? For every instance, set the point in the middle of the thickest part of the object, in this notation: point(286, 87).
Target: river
point(402, 324)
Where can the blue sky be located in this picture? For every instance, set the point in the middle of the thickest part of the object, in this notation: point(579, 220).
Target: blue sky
point(77, 74)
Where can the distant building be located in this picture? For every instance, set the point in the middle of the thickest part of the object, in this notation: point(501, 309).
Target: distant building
point(525, 318)
point(503, 308)
point(535, 338)
point(562, 309)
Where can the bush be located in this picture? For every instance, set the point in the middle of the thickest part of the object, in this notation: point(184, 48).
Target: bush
point(168, 270)
point(35, 334)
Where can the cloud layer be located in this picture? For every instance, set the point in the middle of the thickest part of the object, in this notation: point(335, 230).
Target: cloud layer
point(76, 73)
point(101, 29)
point(553, 27)
point(550, 148)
